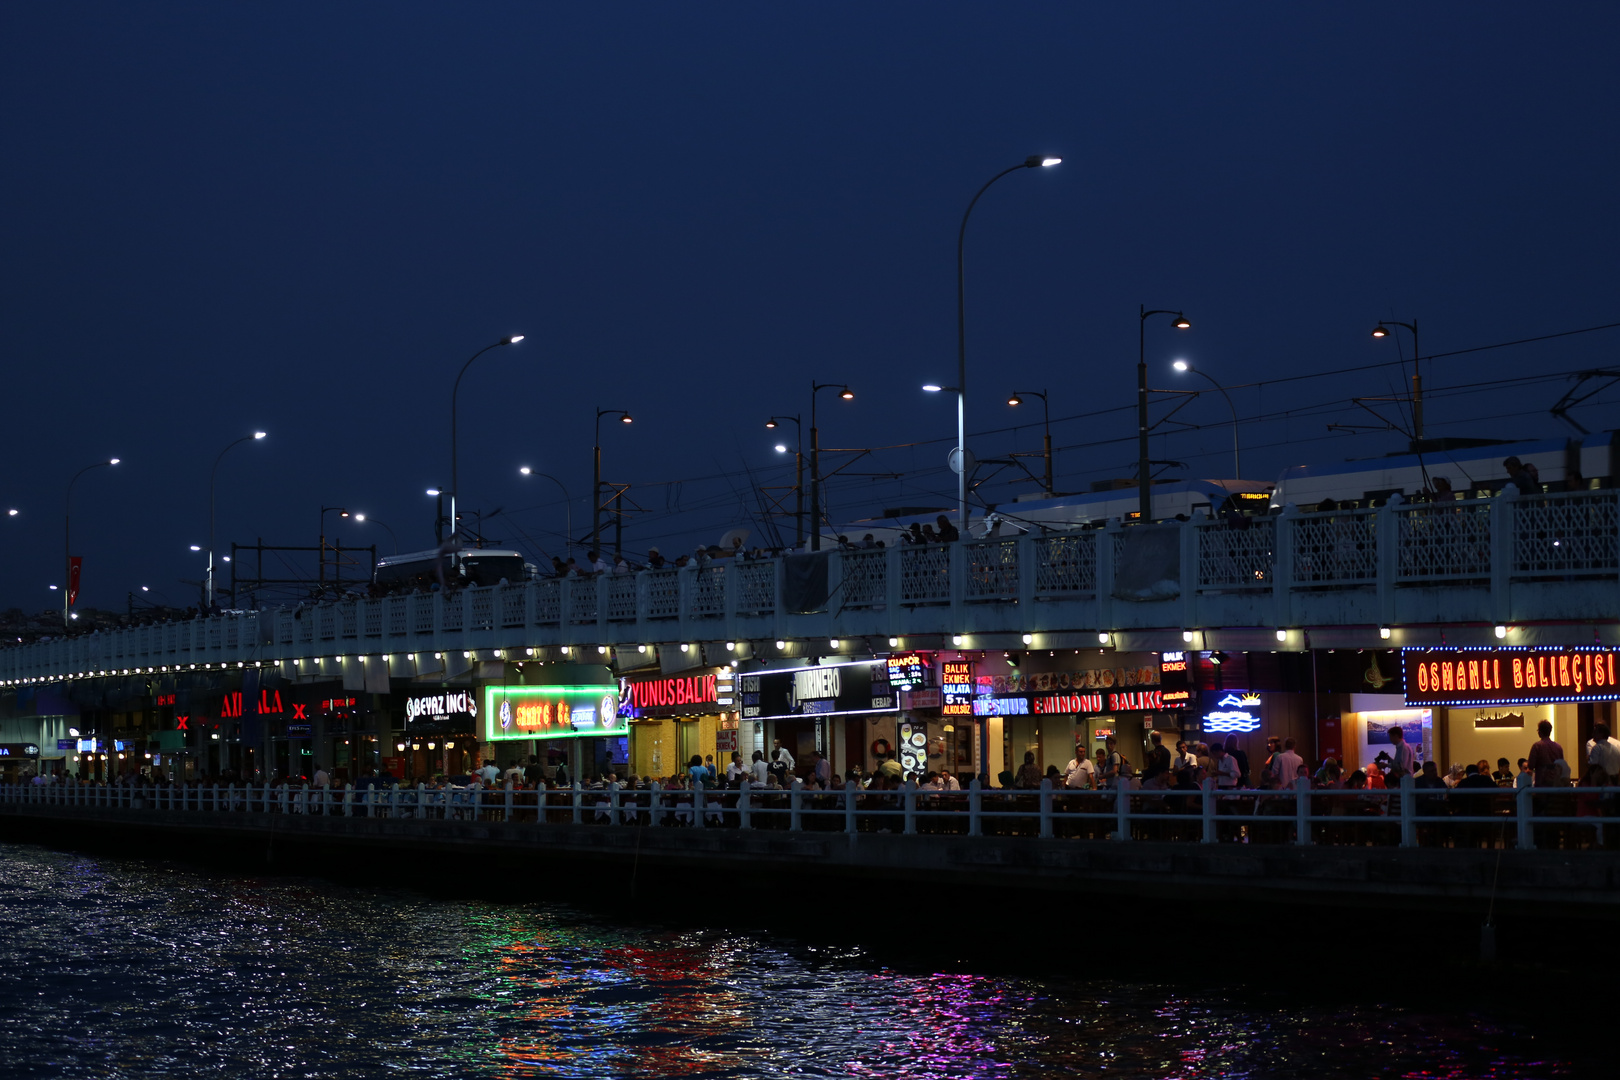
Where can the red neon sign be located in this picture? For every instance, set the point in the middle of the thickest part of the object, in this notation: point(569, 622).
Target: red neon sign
point(676, 690)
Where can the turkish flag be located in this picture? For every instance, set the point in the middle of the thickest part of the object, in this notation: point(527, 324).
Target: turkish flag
point(73, 578)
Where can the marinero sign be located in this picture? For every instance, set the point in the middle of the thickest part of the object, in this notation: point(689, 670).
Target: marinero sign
point(1508, 676)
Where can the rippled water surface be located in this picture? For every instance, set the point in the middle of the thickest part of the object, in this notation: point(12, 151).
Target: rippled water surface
point(123, 968)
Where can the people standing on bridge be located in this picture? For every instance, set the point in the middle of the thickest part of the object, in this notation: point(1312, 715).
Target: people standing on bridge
point(1546, 759)
point(947, 532)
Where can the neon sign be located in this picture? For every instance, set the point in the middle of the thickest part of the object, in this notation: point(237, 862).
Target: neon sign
point(1230, 714)
point(1509, 676)
point(636, 697)
point(907, 671)
point(956, 686)
point(552, 712)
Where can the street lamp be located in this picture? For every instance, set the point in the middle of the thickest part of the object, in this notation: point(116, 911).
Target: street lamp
point(1383, 330)
point(1034, 161)
point(384, 524)
point(815, 457)
point(568, 503)
point(798, 473)
point(70, 591)
point(255, 437)
point(455, 486)
point(1237, 465)
point(1144, 481)
point(596, 485)
point(1017, 398)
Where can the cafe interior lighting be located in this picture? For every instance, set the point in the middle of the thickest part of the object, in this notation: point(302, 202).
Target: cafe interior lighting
point(833, 643)
point(1282, 635)
point(601, 650)
point(731, 646)
point(894, 643)
point(1029, 639)
point(1103, 637)
point(1187, 636)
point(1501, 632)
point(780, 644)
point(641, 649)
point(957, 639)
point(1383, 632)
point(685, 647)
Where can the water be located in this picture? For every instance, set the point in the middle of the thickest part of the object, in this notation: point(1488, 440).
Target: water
point(115, 968)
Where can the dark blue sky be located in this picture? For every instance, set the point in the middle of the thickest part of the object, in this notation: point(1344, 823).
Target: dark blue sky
point(302, 218)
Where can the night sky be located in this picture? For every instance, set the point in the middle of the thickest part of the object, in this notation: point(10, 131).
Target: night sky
point(303, 218)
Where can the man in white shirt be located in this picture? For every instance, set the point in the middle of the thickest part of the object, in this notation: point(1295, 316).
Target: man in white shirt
point(948, 780)
point(1226, 769)
point(322, 779)
point(489, 772)
point(760, 770)
point(1080, 773)
point(1603, 750)
point(599, 565)
point(1285, 764)
point(782, 755)
point(734, 770)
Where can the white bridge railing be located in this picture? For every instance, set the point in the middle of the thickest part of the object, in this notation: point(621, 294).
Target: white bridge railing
point(1565, 819)
point(1508, 560)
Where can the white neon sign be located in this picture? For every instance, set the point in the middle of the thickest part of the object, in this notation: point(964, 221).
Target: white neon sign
point(1230, 715)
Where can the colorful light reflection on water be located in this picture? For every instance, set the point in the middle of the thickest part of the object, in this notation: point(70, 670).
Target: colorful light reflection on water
point(116, 968)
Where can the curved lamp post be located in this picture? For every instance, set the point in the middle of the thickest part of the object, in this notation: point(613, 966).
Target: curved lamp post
point(596, 485)
point(1017, 398)
point(384, 524)
point(1383, 330)
point(1034, 161)
point(67, 540)
point(257, 435)
point(455, 480)
point(568, 504)
point(1237, 464)
point(1144, 482)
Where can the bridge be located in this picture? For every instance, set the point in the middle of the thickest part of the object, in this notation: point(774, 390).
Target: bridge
point(1521, 569)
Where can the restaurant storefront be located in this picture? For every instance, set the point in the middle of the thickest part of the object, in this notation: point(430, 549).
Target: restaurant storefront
point(673, 718)
point(849, 712)
point(441, 734)
point(1486, 703)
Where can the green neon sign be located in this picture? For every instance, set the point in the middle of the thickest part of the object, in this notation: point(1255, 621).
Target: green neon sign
point(552, 712)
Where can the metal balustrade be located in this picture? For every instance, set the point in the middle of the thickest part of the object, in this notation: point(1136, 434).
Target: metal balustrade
point(863, 582)
point(1570, 533)
point(992, 570)
point(1446, 541)
point(1513, 560)
point(1525, 819)
point(1238, 554)
point(925, 574)
point(1338, 547)
point(1066, 565)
